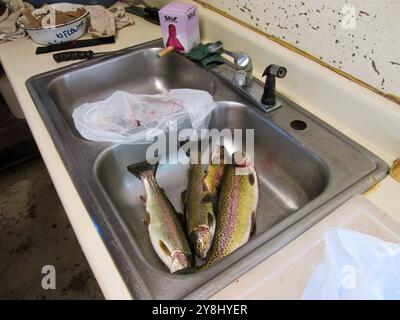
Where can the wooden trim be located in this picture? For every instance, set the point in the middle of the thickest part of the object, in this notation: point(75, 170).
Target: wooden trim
point(395, 170)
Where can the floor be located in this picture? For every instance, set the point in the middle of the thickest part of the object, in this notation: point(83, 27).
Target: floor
point(16, 141)
point(34, 232)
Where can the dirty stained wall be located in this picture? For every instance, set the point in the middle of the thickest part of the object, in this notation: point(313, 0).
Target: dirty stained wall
point(358, 37)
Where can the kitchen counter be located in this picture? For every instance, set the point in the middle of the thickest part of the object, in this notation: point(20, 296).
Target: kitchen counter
point(366, 117)
point(19, 63)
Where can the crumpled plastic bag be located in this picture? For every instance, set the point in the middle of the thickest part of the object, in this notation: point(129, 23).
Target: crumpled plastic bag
point(356, 266)
point(132, 118)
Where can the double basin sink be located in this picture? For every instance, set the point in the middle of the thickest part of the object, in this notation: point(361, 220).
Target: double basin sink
point(305, 168)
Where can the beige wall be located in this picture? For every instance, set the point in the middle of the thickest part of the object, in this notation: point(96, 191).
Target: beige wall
point(368, 50)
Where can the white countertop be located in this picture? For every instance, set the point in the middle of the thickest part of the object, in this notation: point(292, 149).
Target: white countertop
point(19, 63)
point(368, 118)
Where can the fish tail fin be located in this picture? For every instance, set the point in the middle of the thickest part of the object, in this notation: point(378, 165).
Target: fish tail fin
point(219, 155)
point(141, 168)
point(194, 150)
point(195, 269)
point(186, 271)
point(202, 267)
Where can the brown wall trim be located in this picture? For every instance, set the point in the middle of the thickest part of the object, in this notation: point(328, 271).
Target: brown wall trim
point(395, 170)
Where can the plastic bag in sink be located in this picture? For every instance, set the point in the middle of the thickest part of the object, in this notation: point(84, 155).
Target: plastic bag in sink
point(356, 266)
point(132, 118)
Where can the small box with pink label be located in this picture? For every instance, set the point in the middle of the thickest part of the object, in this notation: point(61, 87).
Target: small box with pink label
point(180, 26)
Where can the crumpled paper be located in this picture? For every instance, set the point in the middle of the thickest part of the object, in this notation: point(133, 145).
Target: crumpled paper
point(9, 30)
point(104, 23)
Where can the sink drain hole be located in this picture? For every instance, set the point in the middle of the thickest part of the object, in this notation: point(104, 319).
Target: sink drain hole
point(298, 125)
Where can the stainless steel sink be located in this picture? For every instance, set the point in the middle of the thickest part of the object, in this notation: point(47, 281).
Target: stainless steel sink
point(306, 168)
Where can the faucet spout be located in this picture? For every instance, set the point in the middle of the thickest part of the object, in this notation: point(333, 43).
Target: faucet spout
point(241, 76)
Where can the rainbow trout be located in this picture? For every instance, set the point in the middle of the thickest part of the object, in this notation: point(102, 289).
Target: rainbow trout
point(200, 219)
point(164, 226)
point(237, 208)
point(215, 171)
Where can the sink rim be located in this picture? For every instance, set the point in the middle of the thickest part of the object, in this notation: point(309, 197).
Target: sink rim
point(94, 205)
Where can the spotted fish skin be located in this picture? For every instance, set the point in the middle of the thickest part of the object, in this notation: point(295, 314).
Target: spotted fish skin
point(165, 229)
point(199, 211)
point(215, 172)
point(237, 210)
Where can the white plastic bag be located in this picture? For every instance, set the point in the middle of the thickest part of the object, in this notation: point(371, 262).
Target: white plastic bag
point(356, 266)
point(129, 118)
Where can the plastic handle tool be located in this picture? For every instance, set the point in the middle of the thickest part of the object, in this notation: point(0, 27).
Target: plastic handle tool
point(73, 55)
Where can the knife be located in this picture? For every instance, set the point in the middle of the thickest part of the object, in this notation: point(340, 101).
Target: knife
point(75, 44)
point(150, 14)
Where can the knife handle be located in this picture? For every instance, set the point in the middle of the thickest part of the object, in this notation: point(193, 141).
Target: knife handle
point(72, 55)
point(152, 11)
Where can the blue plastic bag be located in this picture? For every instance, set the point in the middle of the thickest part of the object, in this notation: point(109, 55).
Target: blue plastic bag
point(356, 266)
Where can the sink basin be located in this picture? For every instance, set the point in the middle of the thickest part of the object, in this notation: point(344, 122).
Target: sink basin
point(140, 73)
point(283, 187)
point(306, 168)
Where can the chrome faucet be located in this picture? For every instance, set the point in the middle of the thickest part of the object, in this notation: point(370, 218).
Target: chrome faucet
point(242, 64)
point(241, 76)
point(244, 68)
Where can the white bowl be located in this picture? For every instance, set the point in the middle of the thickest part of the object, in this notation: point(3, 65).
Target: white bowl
point(59, 33)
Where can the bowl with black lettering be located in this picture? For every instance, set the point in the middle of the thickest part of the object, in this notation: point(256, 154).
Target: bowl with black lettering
point(51, 32)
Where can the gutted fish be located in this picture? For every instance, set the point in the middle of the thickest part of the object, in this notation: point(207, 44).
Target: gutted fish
point(199, 212)
point(237, 208)
point(164, 226)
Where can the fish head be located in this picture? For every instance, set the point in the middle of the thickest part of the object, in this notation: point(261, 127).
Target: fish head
point(201, 240)
point(180, 261)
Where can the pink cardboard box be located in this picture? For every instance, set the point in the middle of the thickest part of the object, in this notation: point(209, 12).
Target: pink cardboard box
point(180, 26)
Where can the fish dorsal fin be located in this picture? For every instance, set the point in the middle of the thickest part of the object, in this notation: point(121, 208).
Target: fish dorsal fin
point(181, 217)
point(164, 248)
point(146, 220)
point(251, 178)
point(143, 198)
point(207, 197)
point(183, 196)
point(253, 224)
point(206, 187)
